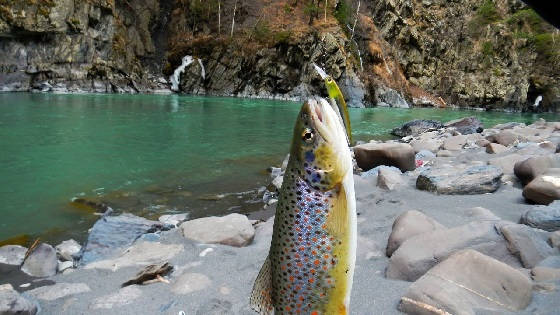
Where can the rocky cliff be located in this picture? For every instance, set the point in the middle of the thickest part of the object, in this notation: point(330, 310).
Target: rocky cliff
point(401, 53)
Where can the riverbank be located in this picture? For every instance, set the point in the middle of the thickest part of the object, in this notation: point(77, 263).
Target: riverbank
point(466, 196)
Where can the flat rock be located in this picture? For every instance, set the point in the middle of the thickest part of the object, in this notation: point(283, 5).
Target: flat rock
point(467, 125)
point(59, 290)
point(456, 181)
point(190, 282)
point(454, 143)
point(41, 262)
point(418, 254)
point(142, 253)
point(11, 302)
point(112, 233)
point(495, 148)
point(370, 155)
point(507, 162)
point(529, 169)
point(468, 282)
point(124, 296)
point(389, 179)
point(233, 230)
point(545, 188)
point(69, 250)
point(407, 225)
point(543, 217)
point(529, 244)
point(416, 127)
point(12, 254)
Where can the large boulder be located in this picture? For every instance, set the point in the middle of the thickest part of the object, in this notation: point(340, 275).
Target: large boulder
point(233, 229)
point(370, 155)
point(11, 302)
point(416, 127)
point(529, 169)
point(407, 225)
point(112, 233)
point(467, 125)
point(41, 262)
point(543, 217)
point(460, 181)
point(545, 188)
point(418, 254)
point(506, 138)
point(468, 282)
point(529, 244)
point(12, 254)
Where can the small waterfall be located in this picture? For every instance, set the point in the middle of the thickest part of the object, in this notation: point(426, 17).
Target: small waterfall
point(202, 71)
point(321, 72)
point(538, 101)
point(187, 60)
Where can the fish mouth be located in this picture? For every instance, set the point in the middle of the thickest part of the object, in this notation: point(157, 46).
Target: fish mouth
point(324, 119)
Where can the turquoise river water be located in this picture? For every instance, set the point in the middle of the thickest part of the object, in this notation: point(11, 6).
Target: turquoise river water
point(152, 154)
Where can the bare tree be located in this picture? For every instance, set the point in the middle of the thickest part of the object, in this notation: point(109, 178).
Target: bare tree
point(326, 5)
point(233, 20)
point(356, 19)
point(219, 18)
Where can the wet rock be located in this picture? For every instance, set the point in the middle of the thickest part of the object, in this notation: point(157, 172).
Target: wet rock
point(12, 254)
point(454, 143)
point(529, 244)
point(466, 283)
point(507, 162)
point(59, 290)
point(370, 155)
point(418, 254)
point(432, 145)
point(543, 217)
point(416, 127)
point(111, 233)
point(529, 169)
point(190, 282)
point(11, 302)
point(456, 181)
point(173, 219)
point(124, 296)
point(467, 125)
point(69, 250)
point(234, 230)
point(495, 148)
point(41, 262)
point(389, 179)
point(554, 239)
point(545, 188)
point(142, 253)
point(407, 225)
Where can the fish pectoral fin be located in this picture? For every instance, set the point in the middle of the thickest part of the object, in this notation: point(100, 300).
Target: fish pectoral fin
point(261, 297)
point(337, 220)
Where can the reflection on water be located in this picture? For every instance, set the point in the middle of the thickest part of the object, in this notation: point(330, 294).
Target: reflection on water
point(151, 154)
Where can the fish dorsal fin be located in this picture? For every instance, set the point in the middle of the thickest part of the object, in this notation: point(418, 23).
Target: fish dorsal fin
point(337, 221)
point(261, 297)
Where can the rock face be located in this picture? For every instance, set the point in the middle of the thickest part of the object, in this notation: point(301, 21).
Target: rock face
point(530, 168)
point(545, 188)
point(543, 217)
point(407, 225)
point(467, 125)
point(111, 233)
point(529, 244)
point(234, 230)
point(416, 127)
point(453, 181)
point(420, 253)
point(41, 262)
point(370, 155)
point(12, 254)
point(467, 283)
point(11, 302)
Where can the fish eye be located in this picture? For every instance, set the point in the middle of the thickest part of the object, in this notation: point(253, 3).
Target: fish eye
point(307, 135)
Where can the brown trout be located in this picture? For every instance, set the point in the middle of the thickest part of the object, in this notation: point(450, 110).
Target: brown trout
point(310, 264)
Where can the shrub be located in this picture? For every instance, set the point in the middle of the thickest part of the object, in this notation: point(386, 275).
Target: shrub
point(487, 49)
point(342, 13)
point(487, 12)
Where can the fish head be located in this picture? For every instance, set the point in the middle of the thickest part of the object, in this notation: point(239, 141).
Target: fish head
point(320, 153)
